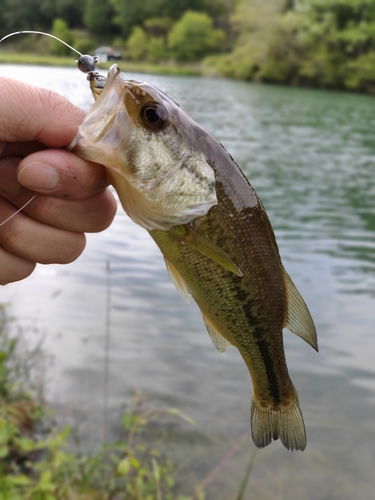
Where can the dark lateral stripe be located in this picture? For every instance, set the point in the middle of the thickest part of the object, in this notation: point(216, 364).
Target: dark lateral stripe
point(263, 348)
point(272, 380)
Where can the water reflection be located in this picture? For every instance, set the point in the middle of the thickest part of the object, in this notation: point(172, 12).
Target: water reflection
point(310, 156)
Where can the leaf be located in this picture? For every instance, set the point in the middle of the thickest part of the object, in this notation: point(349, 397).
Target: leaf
point(4, 450)
point(123, 467)
point(134, 463)
point(127, 420)
point(20, 480)
point(45, 482)
point(179, 413)
point(155, 470)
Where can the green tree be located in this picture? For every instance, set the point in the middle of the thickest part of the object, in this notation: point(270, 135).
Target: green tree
point(137, 44)
point(337, 40)
point(61, 30)
point(158, 26)
point(194, 36)
point(3, 25)
point(156, 50)
point(130, 13)
point(322, 43)
point(39, 14)
point(31, 15)
point(260, 35)
point(71, 11)
point(98, 17)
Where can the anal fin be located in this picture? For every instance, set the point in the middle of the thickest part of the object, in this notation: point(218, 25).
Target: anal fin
point(299, 320)
point(218, 340)
point(177, 280)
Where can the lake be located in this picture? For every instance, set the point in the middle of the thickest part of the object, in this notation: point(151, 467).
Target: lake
point(310, 156)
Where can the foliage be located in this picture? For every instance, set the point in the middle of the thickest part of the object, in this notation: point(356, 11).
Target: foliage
point(137, 44)
point(131, 13)
point(61, 30)
point(151, 43)
point(98, 17)
point(322, 43)
point(158, 26)
point(102, 19)
point(44, 468)
point(21, 15)
point(259, 35)
point(156, 50)
point(193, 36)
point(84, 44)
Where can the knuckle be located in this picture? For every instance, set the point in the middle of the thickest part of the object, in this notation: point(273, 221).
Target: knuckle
point(14, 268)
point(68, 251)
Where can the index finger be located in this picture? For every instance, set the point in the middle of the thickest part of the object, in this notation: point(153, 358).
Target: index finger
point(31, 113)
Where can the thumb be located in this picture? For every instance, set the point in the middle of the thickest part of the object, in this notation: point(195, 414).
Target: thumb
point(35, 114)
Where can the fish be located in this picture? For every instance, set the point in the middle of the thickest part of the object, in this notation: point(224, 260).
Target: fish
point(179, 183)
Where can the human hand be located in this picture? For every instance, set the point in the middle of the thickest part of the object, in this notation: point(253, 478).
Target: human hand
point(72, 197)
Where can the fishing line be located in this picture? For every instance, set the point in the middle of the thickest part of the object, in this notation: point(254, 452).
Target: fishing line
point(41, 33)
point(18, 211)
point(86, 63)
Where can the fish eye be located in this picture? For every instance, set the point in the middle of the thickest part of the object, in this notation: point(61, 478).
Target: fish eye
point(154, 115)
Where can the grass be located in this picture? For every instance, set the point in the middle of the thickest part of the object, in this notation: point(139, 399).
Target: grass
point(172, 68)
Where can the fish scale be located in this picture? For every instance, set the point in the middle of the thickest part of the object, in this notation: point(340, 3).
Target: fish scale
point(217, 241)
point(236, 307)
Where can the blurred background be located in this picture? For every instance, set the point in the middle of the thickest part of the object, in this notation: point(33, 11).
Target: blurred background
point(320, 43)
point(111, 325)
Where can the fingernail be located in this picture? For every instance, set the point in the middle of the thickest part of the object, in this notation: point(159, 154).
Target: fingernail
point(39, 177)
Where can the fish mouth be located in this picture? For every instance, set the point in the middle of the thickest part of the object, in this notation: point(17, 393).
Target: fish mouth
point(110, 123)
point(113, 71)
point(107, 125)
point(109, 109)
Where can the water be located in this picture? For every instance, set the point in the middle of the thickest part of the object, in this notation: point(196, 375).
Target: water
point(309, 154)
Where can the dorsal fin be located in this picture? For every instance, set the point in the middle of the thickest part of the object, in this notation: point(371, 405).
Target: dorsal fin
point(178, 282)
point(210, 250)
point(299, 320)
point(218, 340)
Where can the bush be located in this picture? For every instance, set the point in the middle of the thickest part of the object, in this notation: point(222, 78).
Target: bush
point(194, 36)
point(137, 44)
point(61, 30)
point(85, 46)
point(156, 50)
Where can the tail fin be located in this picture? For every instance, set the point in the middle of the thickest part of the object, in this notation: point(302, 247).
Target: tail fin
point(284, 421)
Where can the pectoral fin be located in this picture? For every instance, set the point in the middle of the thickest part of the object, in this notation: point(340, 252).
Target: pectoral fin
point(299, 320)
point(210, 250)
point(178, 282)
point(218, 340)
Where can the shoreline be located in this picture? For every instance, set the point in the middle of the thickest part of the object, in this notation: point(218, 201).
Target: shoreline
point(173, 69)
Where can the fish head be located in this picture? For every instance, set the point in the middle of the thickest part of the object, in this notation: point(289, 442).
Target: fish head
point(143, 138)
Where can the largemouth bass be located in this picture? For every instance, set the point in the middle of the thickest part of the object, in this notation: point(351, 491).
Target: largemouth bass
point(179, 183)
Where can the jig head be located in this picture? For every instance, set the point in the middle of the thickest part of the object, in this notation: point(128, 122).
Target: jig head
point(87, 64)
